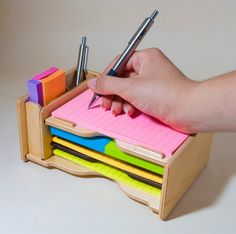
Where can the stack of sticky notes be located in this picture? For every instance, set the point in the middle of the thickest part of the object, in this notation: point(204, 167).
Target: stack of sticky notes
point(103, 156)
point(46, 86)
point(140, 133)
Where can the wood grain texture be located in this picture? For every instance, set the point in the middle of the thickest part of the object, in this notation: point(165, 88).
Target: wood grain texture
point(71, 77)
point(69, 127)
point(22, 126)
point(151, 201)
point(182, 170)
point(33, 128)
point(60, 163)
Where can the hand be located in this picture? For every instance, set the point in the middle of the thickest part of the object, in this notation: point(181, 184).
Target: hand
point(150, 82)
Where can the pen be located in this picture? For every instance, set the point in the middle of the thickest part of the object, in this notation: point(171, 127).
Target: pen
point(129, 50)
point(86, 59)
point(81, 61)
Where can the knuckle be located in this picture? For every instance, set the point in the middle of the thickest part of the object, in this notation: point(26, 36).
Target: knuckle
point(157, 51)
point(150, 53)
point(100, 85)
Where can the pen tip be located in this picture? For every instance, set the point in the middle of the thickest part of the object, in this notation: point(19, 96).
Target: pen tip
point(92, 101)
point(84, 40)
point(154, 14)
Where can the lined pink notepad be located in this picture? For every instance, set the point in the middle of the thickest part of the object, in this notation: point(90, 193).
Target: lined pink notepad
point(141, 130)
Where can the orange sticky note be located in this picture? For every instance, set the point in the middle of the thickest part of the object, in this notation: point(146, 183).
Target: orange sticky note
point(53, 86)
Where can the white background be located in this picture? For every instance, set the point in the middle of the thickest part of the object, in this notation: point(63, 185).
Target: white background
point(198, 36)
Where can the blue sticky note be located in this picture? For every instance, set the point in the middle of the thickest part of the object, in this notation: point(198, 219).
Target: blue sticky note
point(97, 143)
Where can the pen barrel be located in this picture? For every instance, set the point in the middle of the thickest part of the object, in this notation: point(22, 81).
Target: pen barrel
point(80, 66)
point(133, 44)
point(86, 58)
point(129, 50)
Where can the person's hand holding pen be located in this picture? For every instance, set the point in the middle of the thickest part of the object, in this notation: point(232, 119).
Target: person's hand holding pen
point(153, 84)
point(149, 82)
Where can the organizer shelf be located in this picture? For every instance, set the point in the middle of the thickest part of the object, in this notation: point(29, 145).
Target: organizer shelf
point(180, 171)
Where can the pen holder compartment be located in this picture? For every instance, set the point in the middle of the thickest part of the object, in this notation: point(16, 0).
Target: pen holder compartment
point(34, 134)
point(180, 171)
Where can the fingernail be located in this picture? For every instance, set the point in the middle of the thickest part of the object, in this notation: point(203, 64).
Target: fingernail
point(92, 83)
point(130, 112)
point(113, 113)
point(125, 109)
point(103, 107)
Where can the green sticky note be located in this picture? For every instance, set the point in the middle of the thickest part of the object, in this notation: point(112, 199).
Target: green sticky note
point(112, 150)
point(110, 172)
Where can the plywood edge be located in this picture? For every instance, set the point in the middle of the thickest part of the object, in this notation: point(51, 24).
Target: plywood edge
point(91, 74)
point(152, 202)
point(62, 164)
point(69, 127)
point(163, 193)
point(70, 167)
point(22, 126)
point(33, 128)
point(141, 152)
point(183, 171)
point(182, 147)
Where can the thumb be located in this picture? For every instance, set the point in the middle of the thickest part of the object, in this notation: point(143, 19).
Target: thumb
point(109, 85)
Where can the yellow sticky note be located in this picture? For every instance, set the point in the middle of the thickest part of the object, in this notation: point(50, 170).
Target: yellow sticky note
point(111, 161)
point(110, 172)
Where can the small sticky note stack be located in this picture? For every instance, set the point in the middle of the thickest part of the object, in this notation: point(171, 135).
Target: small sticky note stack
point(46, 86)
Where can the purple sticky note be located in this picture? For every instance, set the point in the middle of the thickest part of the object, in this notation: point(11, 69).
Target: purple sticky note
point(35, 91)
point(46, 73)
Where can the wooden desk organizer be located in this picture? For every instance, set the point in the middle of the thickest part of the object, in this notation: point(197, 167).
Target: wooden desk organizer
point(180, 171)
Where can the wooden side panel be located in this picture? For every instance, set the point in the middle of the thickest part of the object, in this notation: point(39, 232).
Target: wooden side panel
point(183, 170)
point(33, 128)
point(22, 124)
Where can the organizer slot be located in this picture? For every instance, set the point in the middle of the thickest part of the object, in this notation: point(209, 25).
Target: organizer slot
point(108, 147)
point(145, 175)
point(112, 173)
point(150, 196)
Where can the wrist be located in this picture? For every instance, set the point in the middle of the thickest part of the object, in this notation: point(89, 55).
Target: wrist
point(183, 116)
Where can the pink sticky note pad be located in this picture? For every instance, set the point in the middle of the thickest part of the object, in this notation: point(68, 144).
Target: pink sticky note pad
point(141, 130)
point(46, 73)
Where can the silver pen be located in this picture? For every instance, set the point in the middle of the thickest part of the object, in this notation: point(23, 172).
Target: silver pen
point(82, 61)
point(129, 50)
point(86, 59)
